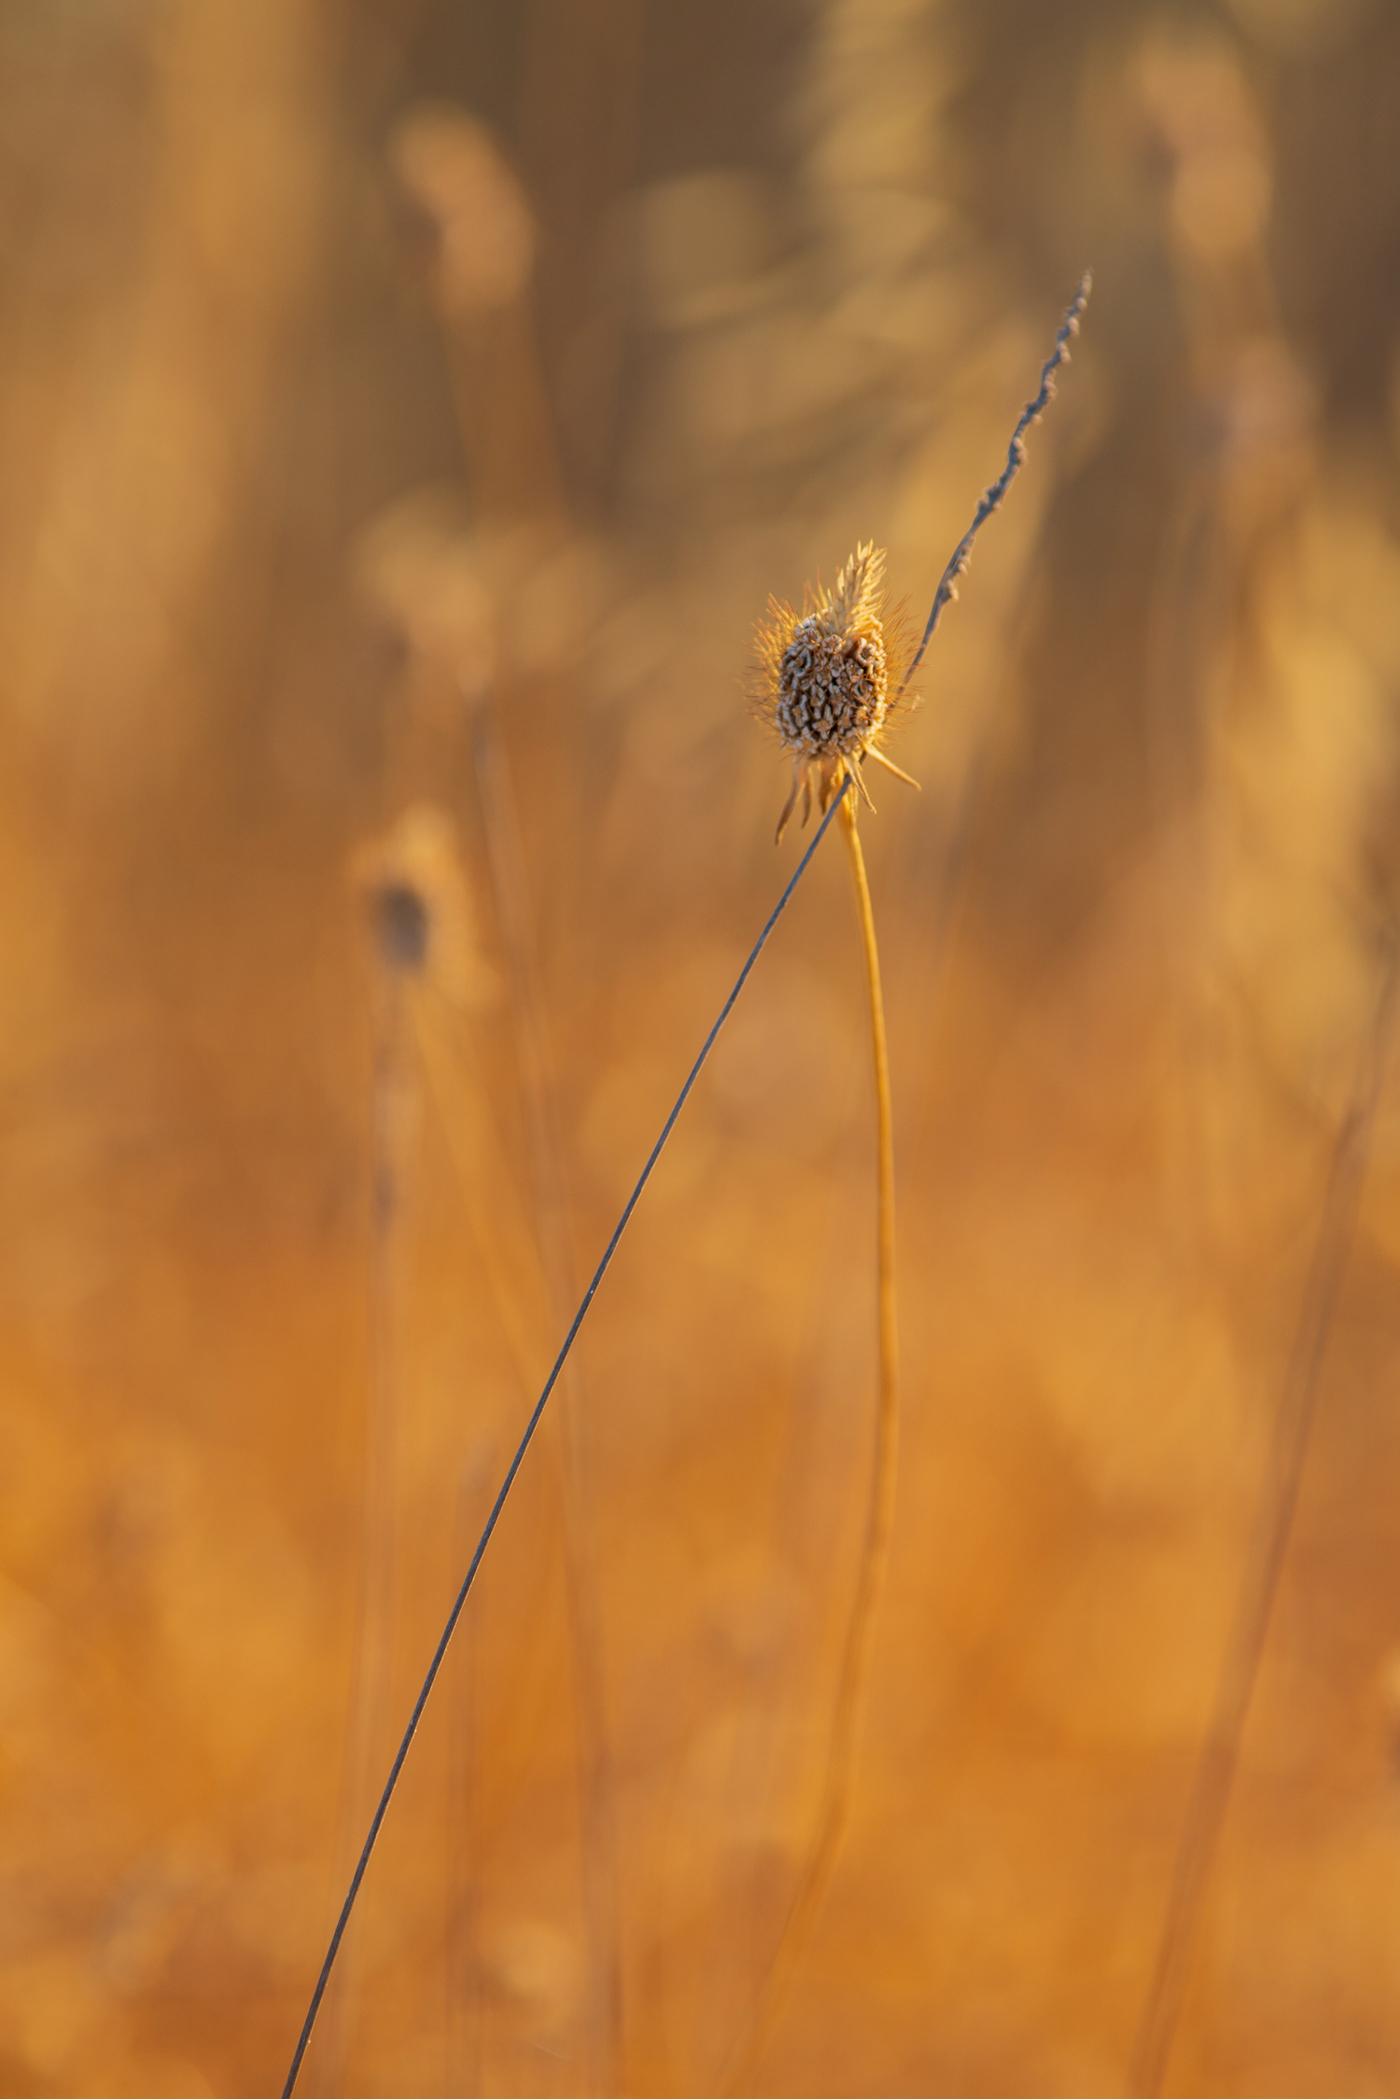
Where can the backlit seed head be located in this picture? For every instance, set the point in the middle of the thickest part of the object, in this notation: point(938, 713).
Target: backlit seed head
point(829, 676)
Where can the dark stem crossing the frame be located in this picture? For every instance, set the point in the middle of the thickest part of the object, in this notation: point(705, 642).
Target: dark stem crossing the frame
point(440, 1652)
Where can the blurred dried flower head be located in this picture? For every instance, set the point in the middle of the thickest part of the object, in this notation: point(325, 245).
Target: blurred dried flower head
point(420, 906)
point(827, 679)
point(452, 170)
point(430, 578)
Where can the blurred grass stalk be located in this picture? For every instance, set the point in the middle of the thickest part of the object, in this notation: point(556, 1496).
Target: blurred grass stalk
point(598, 1812)
point(1268, 1548)
point(481, 277)
point(394, 954)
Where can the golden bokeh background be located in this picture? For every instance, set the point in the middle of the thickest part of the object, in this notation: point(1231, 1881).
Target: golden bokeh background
point(406, 410)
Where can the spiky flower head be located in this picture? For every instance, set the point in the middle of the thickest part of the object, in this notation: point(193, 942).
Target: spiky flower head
point(829, 676)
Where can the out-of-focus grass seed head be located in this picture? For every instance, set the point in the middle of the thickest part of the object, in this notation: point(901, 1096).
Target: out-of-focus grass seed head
point(830, 676)
point(420, 907)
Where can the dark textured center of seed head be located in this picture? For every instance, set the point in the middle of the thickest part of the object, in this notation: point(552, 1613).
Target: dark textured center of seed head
point(830, 689)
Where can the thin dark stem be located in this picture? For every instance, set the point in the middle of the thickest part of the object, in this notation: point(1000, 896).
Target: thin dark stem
point(1219, 1756)
point(993, 497)
point(440, 1652)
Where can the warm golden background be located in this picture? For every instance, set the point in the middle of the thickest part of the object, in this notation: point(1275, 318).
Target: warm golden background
point(406, 408)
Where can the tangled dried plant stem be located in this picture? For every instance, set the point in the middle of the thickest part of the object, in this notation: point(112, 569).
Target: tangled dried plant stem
point(844, 1746)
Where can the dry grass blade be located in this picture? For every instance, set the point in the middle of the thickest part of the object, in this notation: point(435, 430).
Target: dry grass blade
point(1219, 1757)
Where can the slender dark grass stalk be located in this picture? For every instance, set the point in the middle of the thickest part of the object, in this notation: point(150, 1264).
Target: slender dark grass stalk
point(1015, 459)
point(506, 862)
point(440, 1652)
point(844, 1744)
point(1273, 1524)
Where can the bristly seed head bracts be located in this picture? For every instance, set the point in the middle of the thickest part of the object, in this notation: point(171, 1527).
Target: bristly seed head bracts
point(827, 676)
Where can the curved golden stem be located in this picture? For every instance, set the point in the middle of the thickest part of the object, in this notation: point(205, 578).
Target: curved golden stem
point(855, 1659)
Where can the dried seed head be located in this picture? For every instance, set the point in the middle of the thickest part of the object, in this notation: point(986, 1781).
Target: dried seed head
point(453, 171)
point(420, 907)
point(828, 678)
